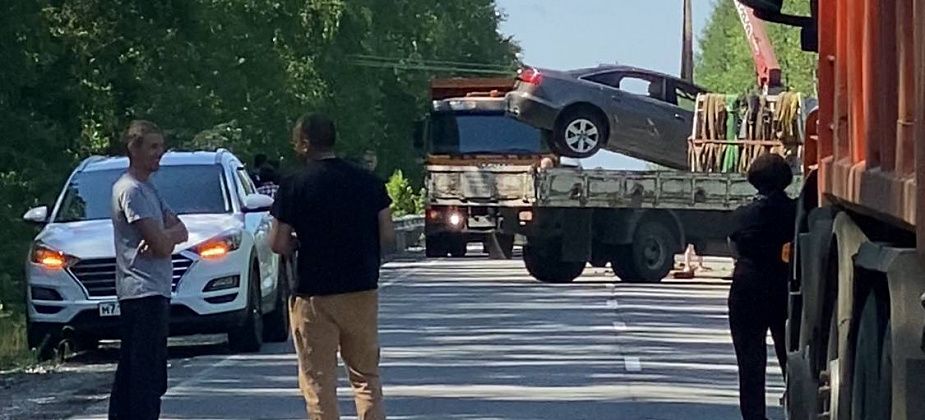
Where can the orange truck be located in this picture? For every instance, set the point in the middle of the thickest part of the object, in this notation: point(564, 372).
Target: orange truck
point(857, 323)
point(479, 167)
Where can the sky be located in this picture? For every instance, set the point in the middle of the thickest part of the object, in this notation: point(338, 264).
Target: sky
point(568, 34)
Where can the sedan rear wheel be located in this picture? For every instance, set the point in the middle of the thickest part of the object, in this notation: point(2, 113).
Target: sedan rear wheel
point(580, 134)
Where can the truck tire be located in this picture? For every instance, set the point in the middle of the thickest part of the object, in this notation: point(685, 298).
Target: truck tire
point(622, 264)
point(458, 246)
point(545, 265)
point(579, 133)
point(434, 246)
point(248, 337)
point(651, 253)
point(868, 400)
point(500, 246)
point(276, 323)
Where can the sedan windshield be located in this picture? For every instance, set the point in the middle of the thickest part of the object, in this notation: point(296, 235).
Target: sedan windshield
point(483, 133)
point(187, 189)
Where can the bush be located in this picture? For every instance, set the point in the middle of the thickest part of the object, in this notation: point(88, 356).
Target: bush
point(404, 200)
point(14, 349)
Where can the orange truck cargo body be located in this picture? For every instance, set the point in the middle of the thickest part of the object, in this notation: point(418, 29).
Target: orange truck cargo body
point(461, 87)
point(870, 142)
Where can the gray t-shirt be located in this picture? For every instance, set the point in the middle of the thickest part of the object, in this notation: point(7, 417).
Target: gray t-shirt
point(138, 274)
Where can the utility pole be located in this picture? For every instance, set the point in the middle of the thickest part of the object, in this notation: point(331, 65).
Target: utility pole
point(687, 45)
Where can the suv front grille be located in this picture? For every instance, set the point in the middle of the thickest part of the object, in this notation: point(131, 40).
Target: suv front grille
point(98, 275)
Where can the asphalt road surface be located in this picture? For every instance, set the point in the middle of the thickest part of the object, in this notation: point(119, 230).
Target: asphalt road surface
point(478, 339)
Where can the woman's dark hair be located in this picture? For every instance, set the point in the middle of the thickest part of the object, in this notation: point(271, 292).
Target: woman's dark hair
point(770, 173)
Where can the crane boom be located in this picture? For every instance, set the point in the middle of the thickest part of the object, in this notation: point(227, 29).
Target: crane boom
point(766, 65)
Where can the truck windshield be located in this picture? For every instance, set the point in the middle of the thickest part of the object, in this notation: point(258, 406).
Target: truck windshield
point(483, 133)
point(187, 189)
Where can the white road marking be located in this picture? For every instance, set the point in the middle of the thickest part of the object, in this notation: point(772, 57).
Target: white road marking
point(406, 275)
point(619, 326)
point(612, 303)
point(632, 364)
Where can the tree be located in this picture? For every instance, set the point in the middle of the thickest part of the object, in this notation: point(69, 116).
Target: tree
point(213, 73)
point(724, 62)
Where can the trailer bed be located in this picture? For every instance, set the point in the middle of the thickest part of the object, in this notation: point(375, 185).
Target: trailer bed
point(677, 190)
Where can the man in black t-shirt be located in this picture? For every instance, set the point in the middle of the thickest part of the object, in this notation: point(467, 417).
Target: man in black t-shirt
point(340, 215)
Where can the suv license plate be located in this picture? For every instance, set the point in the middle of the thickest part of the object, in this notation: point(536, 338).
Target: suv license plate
point(110, 309)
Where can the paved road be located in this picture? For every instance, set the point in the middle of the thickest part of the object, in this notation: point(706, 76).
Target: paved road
point(479, 339)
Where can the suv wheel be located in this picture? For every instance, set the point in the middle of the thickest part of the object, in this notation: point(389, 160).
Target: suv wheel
point(248, 337)
point(276, 324)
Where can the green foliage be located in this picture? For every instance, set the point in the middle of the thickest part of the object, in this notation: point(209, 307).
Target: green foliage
point(234, 74)
point(404, 200)
point(724, 62)
point(13, 347)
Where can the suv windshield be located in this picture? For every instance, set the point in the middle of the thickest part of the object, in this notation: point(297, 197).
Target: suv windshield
point(188, 189)
point(483, 133)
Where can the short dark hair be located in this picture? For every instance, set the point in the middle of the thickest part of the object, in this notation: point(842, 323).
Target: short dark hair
point(319, 130)
point(770, 173)
point(136, 131)
point(259, 159)
point(268, 174)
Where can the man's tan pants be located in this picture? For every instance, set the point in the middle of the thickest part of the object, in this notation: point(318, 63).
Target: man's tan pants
point(321, 325)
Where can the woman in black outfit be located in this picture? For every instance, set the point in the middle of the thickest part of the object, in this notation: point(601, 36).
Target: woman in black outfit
point(760, 240)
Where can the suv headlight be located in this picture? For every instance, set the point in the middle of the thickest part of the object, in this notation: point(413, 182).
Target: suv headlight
point(219, 246)
point(50, 258)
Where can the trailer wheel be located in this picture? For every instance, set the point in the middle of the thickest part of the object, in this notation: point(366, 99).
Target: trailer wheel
point(868, 400)
point(544, 264)
point(622, 264)
point(651, 255)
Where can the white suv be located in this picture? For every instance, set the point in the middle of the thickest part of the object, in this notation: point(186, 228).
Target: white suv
point(225, 277)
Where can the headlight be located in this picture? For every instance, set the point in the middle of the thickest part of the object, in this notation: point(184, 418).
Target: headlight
point(219, 246)
point(50, 258)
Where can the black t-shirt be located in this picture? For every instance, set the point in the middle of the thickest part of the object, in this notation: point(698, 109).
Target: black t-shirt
point(334, 208)
point(761, 229)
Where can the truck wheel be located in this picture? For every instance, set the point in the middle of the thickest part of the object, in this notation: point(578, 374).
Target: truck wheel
point(248, 337)
point(545, 265)
point(276, 324)
point(579, 134)
point(458, 246)
point(622, 264)
point(500, 246)
point(868, 401)
point(434, 246)
point(652, 253)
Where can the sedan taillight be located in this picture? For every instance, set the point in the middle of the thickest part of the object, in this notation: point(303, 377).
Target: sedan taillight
point(530, 75)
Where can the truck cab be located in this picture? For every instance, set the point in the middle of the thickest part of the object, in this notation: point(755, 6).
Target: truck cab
point(479, 167)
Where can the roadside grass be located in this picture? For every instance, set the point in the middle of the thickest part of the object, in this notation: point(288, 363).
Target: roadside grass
point(14, 350)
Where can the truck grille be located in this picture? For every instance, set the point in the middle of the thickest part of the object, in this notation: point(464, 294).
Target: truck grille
point(98, 276)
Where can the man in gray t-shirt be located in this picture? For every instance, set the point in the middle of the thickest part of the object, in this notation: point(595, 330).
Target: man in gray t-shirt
point(145, 232)
point(139, 273)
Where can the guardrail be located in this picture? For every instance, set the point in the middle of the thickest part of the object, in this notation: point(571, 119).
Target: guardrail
point(408, 231)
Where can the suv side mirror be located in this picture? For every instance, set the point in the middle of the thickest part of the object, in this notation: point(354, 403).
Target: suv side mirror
point(255, 203)
point(38, 215)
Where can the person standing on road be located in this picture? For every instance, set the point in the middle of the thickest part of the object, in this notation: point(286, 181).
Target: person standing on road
point(269, 181)
point(340, 214)
point(761, 240)
point(145, 232)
